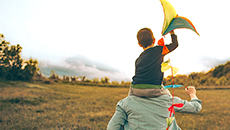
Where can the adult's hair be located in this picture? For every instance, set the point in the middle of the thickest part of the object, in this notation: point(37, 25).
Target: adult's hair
point(145, 37)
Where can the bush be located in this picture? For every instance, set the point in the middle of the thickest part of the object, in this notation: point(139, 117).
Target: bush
point(47, 82)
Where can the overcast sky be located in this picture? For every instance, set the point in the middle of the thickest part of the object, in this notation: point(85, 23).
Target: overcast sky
point(97, 38)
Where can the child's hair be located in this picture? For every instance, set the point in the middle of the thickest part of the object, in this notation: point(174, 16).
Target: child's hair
point(145, 37)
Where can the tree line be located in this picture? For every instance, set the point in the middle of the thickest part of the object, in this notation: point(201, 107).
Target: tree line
point(82, 79)
point(13, 67)
point(218, 76)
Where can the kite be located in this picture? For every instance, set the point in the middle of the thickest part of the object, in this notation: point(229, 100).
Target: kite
point(172, 86)
point(162, 43)
point(173, 21)
point(164, 67)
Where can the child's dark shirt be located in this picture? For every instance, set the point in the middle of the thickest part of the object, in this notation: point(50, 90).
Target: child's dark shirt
point(148, 64)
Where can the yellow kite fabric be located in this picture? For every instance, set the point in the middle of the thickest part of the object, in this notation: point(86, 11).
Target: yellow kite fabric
point(169, 12)
point(173, 21)
point(175, 70)
point(166, 66)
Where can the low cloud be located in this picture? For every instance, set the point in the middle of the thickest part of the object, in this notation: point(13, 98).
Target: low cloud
point(84, 61)
point(82, 66)
point(211, 62)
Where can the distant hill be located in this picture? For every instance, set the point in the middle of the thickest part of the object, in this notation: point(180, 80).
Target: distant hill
point(221, 70)
point(217, 76)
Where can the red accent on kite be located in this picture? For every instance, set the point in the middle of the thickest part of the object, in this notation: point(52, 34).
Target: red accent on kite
point(162, 43)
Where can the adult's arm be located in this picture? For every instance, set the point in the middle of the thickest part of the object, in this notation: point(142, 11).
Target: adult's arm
point(118, 120)
point(193, 106)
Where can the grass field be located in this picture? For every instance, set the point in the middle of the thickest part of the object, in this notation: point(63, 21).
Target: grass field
point(65, 106)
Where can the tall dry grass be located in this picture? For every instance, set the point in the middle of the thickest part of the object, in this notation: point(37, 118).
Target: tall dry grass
point(64, 106)
point(215, 114)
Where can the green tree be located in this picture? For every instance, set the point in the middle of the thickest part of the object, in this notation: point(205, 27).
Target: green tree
point(105, 80)
point(31, 69)
point(197, 75)
point(126, 84)
point(3, 45)
point(221, 81)
point(96, 80)
point(226, 68)
point(115, 82)
point(203, 80)
point(218, 71)
point(11, 63)
point(53, 75)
